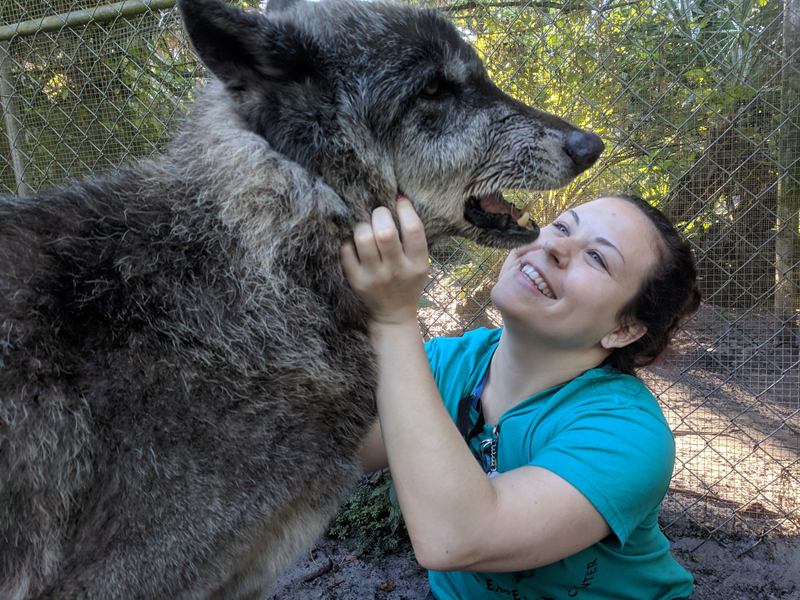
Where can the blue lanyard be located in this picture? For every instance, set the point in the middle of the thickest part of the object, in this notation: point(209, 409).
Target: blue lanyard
point(476, 395)
point(487, 447)
point(473, 401)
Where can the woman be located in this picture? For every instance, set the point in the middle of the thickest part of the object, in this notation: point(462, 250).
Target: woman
point(577, 452)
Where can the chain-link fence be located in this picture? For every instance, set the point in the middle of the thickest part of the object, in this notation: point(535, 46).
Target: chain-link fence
point(698, 104)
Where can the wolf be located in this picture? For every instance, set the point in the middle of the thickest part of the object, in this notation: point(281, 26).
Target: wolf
point(185, 375)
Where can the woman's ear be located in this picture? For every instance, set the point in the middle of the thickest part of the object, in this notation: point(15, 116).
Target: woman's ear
point(623, 336)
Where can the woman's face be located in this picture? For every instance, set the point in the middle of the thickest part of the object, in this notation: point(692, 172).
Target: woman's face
point(568, 287)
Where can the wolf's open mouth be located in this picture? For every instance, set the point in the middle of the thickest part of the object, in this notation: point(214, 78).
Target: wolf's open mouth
point(492, 211)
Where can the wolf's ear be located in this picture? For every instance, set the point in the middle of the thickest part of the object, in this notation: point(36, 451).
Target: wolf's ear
point(244, 48)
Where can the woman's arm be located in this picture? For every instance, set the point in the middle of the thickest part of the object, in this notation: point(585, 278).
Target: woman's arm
point(457, 518)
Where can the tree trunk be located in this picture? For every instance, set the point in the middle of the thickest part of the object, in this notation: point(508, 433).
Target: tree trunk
point(788, 236)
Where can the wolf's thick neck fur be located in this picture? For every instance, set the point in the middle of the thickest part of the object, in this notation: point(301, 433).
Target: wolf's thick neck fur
point(209, 277)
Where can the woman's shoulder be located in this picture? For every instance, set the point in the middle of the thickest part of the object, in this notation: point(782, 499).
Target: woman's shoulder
point(606, 387)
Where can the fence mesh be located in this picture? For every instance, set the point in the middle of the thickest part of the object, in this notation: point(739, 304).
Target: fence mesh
point(697, 102)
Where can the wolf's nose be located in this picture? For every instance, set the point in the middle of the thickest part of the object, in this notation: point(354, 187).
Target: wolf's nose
point(584, 148)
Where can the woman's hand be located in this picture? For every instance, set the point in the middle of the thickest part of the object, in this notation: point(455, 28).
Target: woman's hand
point(387, 268)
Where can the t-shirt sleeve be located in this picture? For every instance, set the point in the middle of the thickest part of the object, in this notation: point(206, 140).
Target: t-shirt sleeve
point(619, 456)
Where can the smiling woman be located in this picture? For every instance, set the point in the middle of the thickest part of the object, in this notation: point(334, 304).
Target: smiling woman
point(589, 264)
point(577, 452)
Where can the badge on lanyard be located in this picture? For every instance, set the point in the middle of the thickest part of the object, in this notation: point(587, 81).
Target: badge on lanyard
point(488, 450)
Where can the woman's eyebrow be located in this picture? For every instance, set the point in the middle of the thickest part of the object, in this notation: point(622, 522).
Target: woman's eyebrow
point(575, 216)
point(605, 242)
point(599, 239)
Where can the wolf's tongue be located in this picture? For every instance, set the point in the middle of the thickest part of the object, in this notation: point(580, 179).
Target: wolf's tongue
point(495, 203)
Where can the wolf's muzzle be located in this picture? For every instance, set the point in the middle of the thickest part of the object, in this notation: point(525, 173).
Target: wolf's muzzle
point(584, 148)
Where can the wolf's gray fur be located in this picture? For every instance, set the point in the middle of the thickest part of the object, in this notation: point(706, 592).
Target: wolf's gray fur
point(185, 376)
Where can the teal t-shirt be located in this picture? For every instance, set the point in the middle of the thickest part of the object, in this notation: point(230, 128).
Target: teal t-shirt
point(605, 434)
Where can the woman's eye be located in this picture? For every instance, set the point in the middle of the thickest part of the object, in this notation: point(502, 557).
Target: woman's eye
point(595, 256)
point(561, 227)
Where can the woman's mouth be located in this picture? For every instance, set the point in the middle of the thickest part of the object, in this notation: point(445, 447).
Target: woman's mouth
point(537, 280)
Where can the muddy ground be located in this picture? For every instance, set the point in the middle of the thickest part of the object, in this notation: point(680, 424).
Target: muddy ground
point(730, 569)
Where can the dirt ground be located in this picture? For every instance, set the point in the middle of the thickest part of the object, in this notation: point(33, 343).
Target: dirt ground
point(333, 572)
point(735, 569)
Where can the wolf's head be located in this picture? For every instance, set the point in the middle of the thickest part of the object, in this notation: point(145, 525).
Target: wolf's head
point(382, 98)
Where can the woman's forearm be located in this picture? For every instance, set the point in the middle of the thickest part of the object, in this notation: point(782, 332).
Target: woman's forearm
point(444, 493)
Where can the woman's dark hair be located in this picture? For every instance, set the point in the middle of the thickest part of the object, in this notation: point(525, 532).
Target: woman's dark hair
point(669, 294)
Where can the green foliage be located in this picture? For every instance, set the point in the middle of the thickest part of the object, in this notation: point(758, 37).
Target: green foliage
point(652, 78)
point(425, 303)
point(371, 518)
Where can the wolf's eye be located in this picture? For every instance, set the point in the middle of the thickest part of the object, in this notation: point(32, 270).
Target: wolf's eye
point(436, 87)
point(432, 88)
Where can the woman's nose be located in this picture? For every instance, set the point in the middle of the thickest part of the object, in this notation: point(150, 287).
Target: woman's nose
point(559, 250)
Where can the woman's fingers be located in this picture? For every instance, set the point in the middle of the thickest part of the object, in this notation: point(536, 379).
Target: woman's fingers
point(379, 242)
point(415, 246)
point(358, 253)
point(385, 235)
point(365, 244)
point(406, 249)
point(386, 267)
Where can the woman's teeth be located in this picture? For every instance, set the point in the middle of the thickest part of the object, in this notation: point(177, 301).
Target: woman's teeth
point(537, 280)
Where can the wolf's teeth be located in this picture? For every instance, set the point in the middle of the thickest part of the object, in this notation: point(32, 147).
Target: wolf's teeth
point(525, 217)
